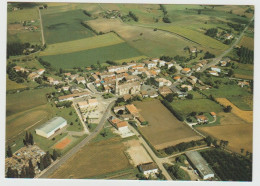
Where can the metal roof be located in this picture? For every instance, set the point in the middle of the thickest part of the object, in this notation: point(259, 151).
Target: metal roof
point(51, 124)
point(199, 162)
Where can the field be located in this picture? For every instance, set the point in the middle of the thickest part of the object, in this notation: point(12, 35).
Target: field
point(149, 42)
point(238, 135)
point(95, 159)
point(12, 85)
point(132, 59)
point(244, 71)
point(92, 56)
point(22, 15)
point(164, 129)
point(247, 42)
point(82, 44)
point(244, 115)
point(64, 26)
point(185, 107)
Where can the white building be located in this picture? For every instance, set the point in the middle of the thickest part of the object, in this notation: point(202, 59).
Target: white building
point(148, 168)
point(162, 82)
point(51, 127)
point(214, 68)
point(150, 64)
point(214, 73)
point(169, 65)
point(161, 63)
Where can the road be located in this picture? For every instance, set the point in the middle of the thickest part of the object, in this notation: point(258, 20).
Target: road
point(80, 117)
point(216, 60)
point(55, 165)
point(43, 40)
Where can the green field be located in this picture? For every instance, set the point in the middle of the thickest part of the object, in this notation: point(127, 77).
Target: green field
point(185, 107)
point(89, 57)
point(65, 26)
point(82, 44)
point(26, 100)
point(22, 15)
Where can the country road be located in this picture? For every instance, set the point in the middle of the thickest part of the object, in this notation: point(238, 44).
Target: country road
point(43, 40)
point(55, 165)
point(80, 117)
point(216, 60)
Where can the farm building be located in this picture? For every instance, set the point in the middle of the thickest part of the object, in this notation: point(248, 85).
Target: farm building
point(164, 91)
point(186, 70)
point(200, 164)
point(51, 127)
point(201, 119)
point(148, 168)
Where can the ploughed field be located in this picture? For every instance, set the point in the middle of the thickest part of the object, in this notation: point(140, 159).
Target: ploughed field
point(164, 129)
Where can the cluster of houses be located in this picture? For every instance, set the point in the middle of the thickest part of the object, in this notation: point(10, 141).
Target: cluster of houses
point(22, 156)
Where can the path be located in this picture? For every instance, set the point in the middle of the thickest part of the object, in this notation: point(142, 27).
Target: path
point(80, 117)
point(55, 165)
point(43, 40)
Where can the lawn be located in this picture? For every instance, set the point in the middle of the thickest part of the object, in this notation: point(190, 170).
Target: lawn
point(65, 26)
point(82, 44)
point(97, 158)
point(25, 100)
point(185, 107)
point(92, 56)
point(164, 129)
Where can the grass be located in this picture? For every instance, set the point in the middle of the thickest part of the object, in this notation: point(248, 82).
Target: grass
point(185, 107)
point(25, 100)
point(132, 59)
point(92, 126)
point(247, 42)
point(22, 15)
point(89, 57)
point(12, 85)
point(33, 37)
point(109, 134)
point(82, 44)
point(65, 26)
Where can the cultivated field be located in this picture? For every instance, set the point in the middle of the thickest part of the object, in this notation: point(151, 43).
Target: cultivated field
point(238, 135)
point(244, 71)
point(22, 15)
point(247, 42)
point(92, 56)
point(164, 129)
point(132, 59)
point(64, 26)
point(95, 159)
point(82, 44)
point(149, 42)
point(185, 107)
point(137, 153)
point(245, 115)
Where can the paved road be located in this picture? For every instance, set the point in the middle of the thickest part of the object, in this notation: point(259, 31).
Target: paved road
point(152, 154)
point(43, 40)
point(216, 60)
point(55, 165)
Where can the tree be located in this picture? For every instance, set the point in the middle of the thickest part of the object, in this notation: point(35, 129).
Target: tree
point(208, 140)
point(54, 155)
point(31, 170)
point(41, 166)
point(173, 69)
point(228, 109)
point(190, 96)
point(30, 140)
point(9, 152)
point(23, 173)
point(199, 11)
point(169, 97)
point(181, 158)
point(10, 173)
point(242, 150)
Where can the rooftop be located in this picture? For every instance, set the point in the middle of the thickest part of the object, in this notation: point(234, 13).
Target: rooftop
point(148, 166)
point(51, 124)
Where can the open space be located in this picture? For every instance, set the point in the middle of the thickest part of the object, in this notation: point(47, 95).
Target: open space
point(164, 129)
point(95, 159)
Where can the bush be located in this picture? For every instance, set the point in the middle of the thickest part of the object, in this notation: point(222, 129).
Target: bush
point(170, 108)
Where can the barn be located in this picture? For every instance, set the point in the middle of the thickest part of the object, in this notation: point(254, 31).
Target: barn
point(51, 127)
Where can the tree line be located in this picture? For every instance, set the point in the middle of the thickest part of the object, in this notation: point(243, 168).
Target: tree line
point(133, 16)
point(18, 77)
point(165, 18)
point(245, 55)
point(212, 32)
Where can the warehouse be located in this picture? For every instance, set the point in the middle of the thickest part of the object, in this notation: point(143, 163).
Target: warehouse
point(200, 164)
point(51, 127)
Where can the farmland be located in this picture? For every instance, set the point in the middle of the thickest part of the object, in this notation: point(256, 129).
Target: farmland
point(91, 56)
point(22, 15)
point(247, 42)
point(185, 107)
point(164, 129)
point(82, 44)
point(64, 26)
point(92, 160)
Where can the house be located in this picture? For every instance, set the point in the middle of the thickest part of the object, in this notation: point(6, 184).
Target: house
point(93, 102)
point(127, 97)
point(52, 81)
point(137, 67)
point(73, 96)
point(80, 80)
point(40, 71)
point(33, 75)
point(131, 64)
point(164, 91)
point(214, 73)
point(51, 127)
point(150, 64)
point(94, 77)
point(223, 63)
point(201, 119)
point(122, 127)
point(193, 49)
point(132, 110)
point(177, 78)
point(193, 80)
point(243, 83)
point(159, 82)
point(156, 60)
point(127, 88)
point(74, 89)
point(144, 94)
point(161, 63)
point(189, 88)
point(152, 94)
point(197, 67)
point(213, 114)
point(117, 109)
point(215, 68)
point(169, 65)
point(20, 69)
point(83, 105)
point(74, 76)
point(65, 88)
point(228, 36)
point(186, 70)
point(67, 74)
point(148, 168)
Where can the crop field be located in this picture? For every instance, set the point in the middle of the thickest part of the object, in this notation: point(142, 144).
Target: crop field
point(82, 44)
point(247, 42)
point(244, 71)
point(132, 59)
point(91, 56)
point(185, 107)
point(12, 85)
point(245, 115)
point(65, 26)
point(25, 100)
point(164, 129)
point(95, 159)
point(22, 15)
point(238, 135)
point(149, 42)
